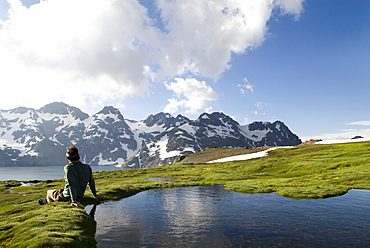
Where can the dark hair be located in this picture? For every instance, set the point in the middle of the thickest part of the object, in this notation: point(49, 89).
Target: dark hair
point(72, 153)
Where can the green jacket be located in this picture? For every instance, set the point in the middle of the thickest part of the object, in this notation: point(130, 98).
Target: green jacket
point(77, 175)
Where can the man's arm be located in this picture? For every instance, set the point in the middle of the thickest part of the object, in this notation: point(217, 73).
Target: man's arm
point(92, 184)
point(93, 188)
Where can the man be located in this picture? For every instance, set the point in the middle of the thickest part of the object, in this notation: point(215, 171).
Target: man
point(76, 175)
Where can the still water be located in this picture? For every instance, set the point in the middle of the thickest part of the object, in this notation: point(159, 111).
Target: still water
point(214, 217)
point(27, 173)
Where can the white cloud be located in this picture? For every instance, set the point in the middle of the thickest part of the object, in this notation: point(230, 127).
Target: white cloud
point(104, 50)
point(63, 49)
point(343, 134)
point(258, 113)
point(245, 121)
point(202, 35)
point(191, 96)
point(260, 104)
point(294, 7)
point(246, 87)
point(359, 123)
point(347, 133)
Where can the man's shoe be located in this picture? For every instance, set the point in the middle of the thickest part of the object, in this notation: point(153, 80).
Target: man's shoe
point(43, 201)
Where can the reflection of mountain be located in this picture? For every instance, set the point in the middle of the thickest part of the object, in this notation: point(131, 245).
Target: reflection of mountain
point(40, 137)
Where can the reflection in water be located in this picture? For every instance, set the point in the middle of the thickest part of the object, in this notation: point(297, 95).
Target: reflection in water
point(189, 212)
point(213, 217)
point(93, 210)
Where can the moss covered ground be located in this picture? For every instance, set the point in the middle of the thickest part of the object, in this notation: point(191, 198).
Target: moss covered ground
point(317, 171)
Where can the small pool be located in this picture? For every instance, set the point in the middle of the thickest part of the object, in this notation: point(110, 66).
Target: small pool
point(214, 217)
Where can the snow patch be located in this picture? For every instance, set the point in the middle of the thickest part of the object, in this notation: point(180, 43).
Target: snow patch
point(142, 127)
point(248, 156)
point(108, 162)
point(256, 135)
point(278, 126)
point(189, 129)
point(265, 153)
point(161, 148)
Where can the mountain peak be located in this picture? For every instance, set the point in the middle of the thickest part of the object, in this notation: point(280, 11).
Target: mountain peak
point(109, 110)
point(21, 110)
point(216, 118)
point(63, 109)
point(181, 117)
point(55, 108)
point(158, 119)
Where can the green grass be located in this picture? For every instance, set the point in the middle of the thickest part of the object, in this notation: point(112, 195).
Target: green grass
point(316, 171)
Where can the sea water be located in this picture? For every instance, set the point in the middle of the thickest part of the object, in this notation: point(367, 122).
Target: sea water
point(26, 173)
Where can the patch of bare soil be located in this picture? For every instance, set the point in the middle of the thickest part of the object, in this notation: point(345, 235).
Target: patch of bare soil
point(309, 142)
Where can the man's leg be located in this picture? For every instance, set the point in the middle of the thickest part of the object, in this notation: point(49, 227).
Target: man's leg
point(52, 195)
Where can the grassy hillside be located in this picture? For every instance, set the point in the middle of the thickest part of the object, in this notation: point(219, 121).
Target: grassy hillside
point(316, 171)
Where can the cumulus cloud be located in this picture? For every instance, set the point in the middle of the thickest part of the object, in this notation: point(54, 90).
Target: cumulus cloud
point(294, 7)
point(102, 50)
point(246, 86)
point(202, 35)
point(62, 49)
point(191, 96)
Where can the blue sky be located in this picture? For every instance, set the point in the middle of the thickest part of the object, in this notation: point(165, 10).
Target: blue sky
point(305, 63)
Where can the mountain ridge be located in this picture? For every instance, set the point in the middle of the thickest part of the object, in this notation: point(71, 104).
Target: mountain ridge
point(40, 136)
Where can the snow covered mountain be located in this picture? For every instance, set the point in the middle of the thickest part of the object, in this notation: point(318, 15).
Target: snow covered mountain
point(40, 137)
point(183, 136)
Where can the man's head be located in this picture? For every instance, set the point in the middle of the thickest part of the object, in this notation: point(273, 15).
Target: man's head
point(72, 154)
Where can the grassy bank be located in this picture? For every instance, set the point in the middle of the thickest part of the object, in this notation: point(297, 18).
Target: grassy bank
point(317, 171)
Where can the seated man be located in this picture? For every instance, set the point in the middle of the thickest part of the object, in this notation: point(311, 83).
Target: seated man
point(76, 175)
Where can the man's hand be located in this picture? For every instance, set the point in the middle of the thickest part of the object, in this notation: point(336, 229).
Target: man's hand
point(100, 197)
point(74, 204)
